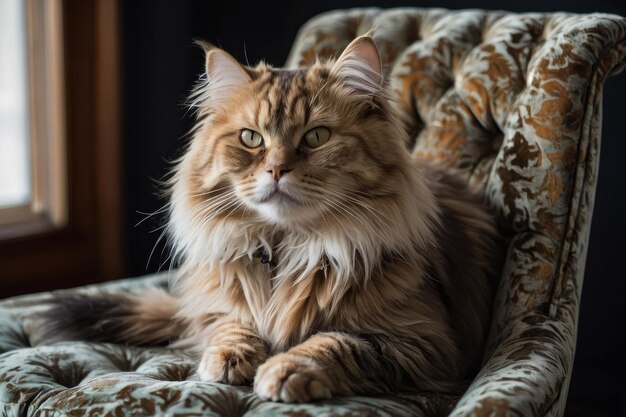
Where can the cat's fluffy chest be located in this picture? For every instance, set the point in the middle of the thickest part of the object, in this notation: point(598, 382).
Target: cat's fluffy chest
point(300, 289)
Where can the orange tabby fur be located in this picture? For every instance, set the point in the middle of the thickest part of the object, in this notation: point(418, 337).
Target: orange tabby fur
point(382, 265)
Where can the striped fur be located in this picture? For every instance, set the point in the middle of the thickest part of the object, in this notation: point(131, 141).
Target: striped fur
point(149, 319)
point(382, 266)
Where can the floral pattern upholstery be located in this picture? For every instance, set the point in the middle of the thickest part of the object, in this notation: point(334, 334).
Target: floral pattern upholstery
point(99, 379)
point(513, 101)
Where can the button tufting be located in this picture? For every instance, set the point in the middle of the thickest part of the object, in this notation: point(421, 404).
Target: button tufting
point(174, 372)
point(123, 358)
point(69, 376)
point(415, 31)
point(17, 337)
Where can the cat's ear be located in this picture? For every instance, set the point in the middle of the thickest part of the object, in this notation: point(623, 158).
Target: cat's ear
point(224, 74)
point(360, 67)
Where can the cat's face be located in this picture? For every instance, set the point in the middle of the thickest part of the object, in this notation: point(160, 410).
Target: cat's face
point(296, 146)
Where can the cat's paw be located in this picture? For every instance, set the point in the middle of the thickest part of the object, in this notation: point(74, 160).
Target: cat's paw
point(230, 364)
point(292, 379)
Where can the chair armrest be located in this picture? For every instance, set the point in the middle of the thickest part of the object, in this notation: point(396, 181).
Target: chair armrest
point(528, 372)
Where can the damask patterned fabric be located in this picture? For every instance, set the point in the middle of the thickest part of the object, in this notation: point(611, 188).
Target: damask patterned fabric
point(99, 379)
point(513, 101)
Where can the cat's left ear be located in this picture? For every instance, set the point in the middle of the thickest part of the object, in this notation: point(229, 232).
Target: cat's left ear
point(360, 67)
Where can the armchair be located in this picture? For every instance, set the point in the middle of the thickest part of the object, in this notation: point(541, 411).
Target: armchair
point(513, 101)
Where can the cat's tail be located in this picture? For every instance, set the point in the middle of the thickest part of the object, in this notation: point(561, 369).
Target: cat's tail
point(148, 318)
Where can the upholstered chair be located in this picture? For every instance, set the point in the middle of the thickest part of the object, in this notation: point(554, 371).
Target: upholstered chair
point(513, 101)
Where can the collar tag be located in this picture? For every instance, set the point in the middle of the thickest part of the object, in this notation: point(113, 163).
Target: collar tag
point(264, 256)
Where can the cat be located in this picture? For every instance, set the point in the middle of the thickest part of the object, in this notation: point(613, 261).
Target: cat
point(317, 257)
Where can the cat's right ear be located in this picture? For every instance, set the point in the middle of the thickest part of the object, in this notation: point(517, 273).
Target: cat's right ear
point(360, 67)
point(224, 74)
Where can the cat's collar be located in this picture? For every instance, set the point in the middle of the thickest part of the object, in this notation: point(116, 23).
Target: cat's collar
point(264, 256)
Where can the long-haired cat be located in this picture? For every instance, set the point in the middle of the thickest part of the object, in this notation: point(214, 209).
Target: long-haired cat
point(317, 257)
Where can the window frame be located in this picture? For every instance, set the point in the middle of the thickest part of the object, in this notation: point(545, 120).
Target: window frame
point(46, 208)
point(80, 242)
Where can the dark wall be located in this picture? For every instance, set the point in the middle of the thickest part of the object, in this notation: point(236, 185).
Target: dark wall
point(600, 366)
point(159, 67)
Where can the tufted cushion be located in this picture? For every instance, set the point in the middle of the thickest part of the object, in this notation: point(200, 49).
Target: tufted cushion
point(513, 102)
point(99, 379)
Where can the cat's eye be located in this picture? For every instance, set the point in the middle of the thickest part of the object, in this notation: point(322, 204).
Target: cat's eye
point(315, 138)
point(250, 138)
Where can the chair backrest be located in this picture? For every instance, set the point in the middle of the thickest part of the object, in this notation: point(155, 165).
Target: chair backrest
point(513, 101)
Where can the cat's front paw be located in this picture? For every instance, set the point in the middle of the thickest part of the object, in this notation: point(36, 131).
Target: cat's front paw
point(292, 379)
point(229, 364)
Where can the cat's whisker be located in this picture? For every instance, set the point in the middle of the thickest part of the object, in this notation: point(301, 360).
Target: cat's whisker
point(357, 200)
point(214, 203)
point(233, 210)
point(221, 210)
point(212, 206)
point(209, 198)
point(158, 228)
point(359, 192)
point(330, 205)
point(348, 212)
point(203, 211)
point(245, 211)
point(245, 54)
point(373, 210)
point(359, 204)
point(362, 218)
point(169, 256)
point(325, 183)
point(212, 191)
point(217, 199)
point(309, 198)
point(316, 207)
point(232, 192)
point(206, 214)
point(154, 247)
point(150, 215)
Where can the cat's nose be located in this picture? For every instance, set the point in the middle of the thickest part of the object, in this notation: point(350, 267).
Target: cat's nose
point(277, 171)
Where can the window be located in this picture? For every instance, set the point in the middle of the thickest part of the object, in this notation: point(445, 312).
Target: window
point(32, 137)
point(15, 187)
point(60, 221)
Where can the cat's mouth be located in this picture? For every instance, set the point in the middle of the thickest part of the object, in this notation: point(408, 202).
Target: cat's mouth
point(278, 196)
